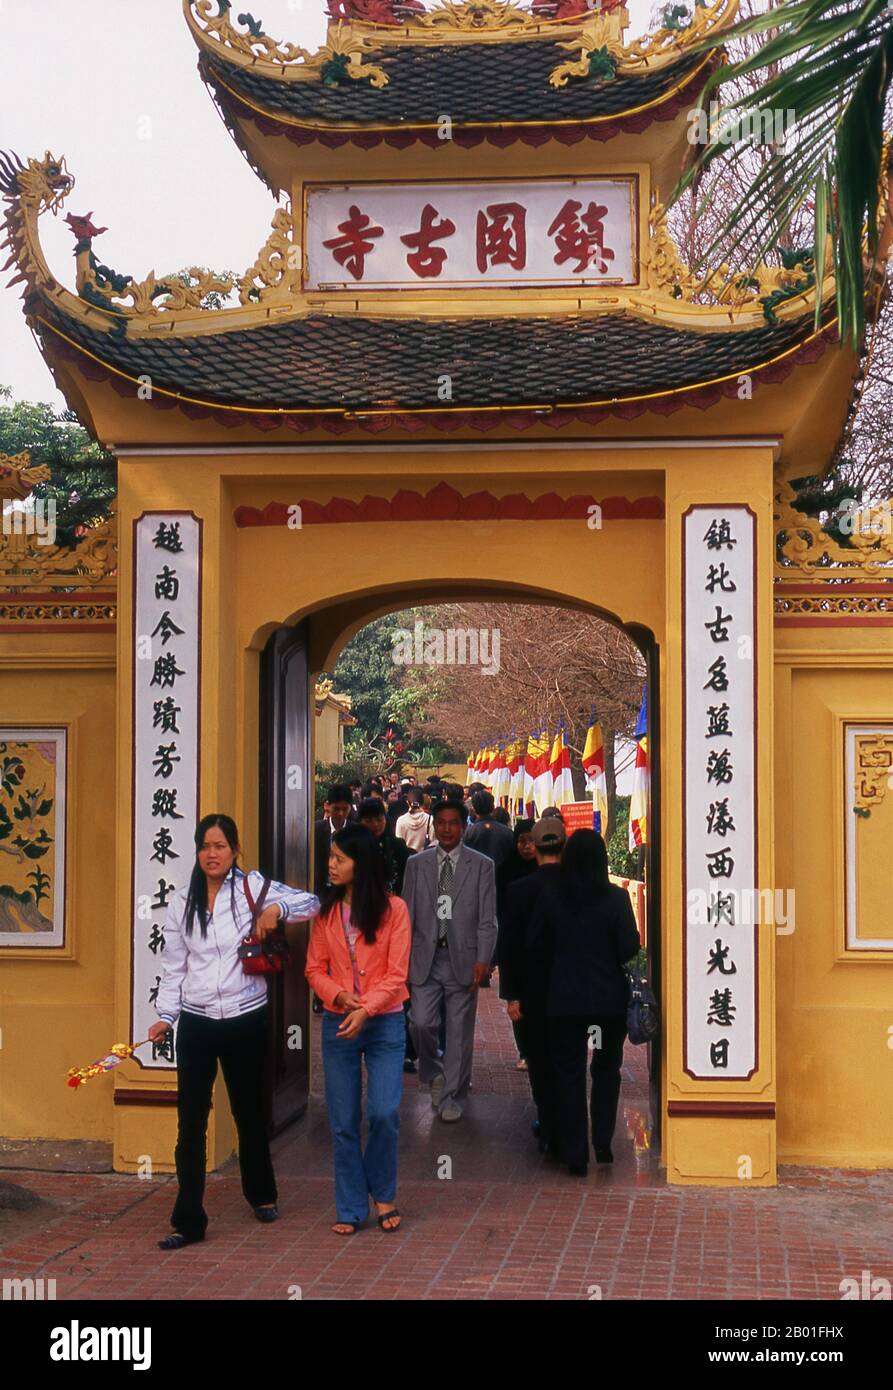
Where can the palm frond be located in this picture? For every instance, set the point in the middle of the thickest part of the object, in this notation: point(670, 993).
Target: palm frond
point(828, 64)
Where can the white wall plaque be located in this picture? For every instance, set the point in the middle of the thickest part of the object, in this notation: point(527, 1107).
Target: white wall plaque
point(721, 905)
point(488, 234)
point(166, 724)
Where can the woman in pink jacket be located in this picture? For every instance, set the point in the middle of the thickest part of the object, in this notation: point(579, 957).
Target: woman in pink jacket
point(357, 964)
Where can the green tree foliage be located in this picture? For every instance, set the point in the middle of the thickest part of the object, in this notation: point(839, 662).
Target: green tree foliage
point(84, 477)
point(622, 861)
point(826, 499)
point(386, 696)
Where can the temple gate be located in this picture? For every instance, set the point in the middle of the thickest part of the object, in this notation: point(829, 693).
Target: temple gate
point(469, 361)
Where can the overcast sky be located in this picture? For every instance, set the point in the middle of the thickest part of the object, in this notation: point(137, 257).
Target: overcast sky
point(112, 85)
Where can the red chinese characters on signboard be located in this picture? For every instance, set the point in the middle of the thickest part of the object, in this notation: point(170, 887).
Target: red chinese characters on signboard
point(581, 239)
point(501, 236)
point(427, 259)
point(351, 248)
point(500, 233)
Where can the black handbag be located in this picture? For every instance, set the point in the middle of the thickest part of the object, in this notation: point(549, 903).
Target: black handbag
point(642, 1017)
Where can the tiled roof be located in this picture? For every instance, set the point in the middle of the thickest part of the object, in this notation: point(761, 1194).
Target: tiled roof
point(468, 82)
point(348, 362)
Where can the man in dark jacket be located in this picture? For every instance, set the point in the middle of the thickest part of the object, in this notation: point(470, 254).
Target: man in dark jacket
point(336, 812)
point(489, 836)
point(523, 955)
point(394, 852)
point(592, 930)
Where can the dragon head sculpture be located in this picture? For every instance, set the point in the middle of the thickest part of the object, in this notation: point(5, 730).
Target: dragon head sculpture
point(42, 183)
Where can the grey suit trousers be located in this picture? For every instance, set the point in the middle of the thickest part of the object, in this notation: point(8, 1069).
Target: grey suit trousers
point(461, 1008)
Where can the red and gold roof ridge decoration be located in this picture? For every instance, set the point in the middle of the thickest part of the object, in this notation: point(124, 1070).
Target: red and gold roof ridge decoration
point(270, 291)
point(360, 27)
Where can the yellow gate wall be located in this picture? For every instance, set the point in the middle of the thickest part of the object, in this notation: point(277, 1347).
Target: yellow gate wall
point(339, 576)
point(835, 1014)
point(833, 1010)
point(57, 1007)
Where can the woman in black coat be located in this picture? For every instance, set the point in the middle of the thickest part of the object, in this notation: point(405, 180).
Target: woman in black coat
point(591, 930)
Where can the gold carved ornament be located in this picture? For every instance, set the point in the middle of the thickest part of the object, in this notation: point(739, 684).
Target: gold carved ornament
point(342, 55)
point(275, 261)
point(673, 39)
point(667, 273)
point(874, 768)
point(478, 14)
point(803, 542)
point(602, 50)
point(91, 564)
point(18, 478)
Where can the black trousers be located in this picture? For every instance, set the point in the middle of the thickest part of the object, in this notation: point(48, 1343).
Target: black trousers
point(533, 1042)
point(240, 1045)
point(568, 1040)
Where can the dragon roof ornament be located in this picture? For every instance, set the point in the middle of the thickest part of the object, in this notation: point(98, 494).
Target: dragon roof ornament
point(32, 189)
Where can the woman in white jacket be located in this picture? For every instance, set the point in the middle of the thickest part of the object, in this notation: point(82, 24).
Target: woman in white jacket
point(222, 1017)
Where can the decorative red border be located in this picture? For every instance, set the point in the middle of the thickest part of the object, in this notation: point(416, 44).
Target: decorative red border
point(444, 503)
point(518, 418)
point(37, 598)
point(726, 1109)
point(837, 589)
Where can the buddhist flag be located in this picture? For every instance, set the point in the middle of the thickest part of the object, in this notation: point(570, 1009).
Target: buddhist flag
point(515, 763)
point(529, 771)
point(543, 781)
point(499, 784)
point(469, 763)
point(596, 776)
point(638, 806)
point(489, 764)
point(560, 768)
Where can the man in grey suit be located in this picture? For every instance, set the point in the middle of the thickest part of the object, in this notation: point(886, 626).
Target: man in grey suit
point(451, 894)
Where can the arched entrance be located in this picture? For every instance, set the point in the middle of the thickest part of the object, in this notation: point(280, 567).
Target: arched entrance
point(292, 657)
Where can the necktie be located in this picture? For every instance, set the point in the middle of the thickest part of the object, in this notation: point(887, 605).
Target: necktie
point(444, 890)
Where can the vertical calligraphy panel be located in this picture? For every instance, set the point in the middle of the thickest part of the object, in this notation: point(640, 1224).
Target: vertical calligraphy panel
point(721, 902)
point(166, 723)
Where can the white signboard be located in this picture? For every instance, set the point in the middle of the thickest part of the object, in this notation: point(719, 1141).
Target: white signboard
point(167, 673)
point(488, 234)
point(719, 750)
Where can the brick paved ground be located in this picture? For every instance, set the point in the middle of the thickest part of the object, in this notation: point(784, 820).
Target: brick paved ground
point(506, 1225)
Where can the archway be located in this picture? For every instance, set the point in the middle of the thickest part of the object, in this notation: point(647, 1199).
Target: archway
point(293, 655)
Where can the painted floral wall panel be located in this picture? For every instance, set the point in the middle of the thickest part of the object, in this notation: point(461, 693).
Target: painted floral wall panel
point(32, 837)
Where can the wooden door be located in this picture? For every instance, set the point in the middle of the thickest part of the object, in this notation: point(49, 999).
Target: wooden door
point(285, 828)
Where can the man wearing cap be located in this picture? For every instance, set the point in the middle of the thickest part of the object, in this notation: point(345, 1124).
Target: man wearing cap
point(524, 956)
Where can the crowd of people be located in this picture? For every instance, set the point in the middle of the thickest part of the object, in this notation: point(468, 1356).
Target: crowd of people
point(421, 895)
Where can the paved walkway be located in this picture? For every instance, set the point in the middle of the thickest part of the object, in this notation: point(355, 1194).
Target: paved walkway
point(506, 1224)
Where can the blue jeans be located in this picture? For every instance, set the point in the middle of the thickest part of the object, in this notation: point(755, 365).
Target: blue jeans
point(358, 1171)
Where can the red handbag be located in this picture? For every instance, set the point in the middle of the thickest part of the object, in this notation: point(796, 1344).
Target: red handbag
point(259, 957)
